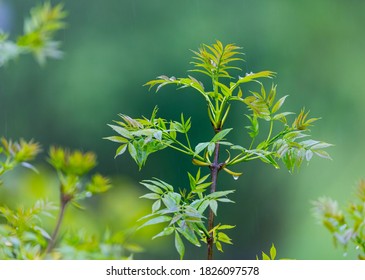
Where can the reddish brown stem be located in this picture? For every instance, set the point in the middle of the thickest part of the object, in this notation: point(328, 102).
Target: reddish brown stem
point(215, 167)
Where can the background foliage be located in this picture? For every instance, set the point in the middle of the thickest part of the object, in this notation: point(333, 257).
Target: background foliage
point(111, 49)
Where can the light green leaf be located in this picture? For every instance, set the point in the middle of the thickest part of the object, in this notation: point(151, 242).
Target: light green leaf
point(219, 246)
point(221, 227)
point(156, 205)
point(158, 135)
point(278, 104)
point(202, 187)
point(117, 139)
point(203, 206)
point(220, 135)
point(272, 95)
point(308, 155)
point(179, 245)
point(160, 184)
point(176, 218)
point(43, 232)
point(120, 150)
point(219, 194)
point(322, 154)
point(122, 131)
point(157, 220)
point(171, 201)
point(29, 166)
point(265, 257)
point(321, 145)
point(225, 200)
point(166, 231)
point(200, 147)
point(211, 148)
point(189, 234)
point(224, 238)
point(151, 196)
point(132, 151)
point(214, 206)
point(152, 187)
point(253, 76)
point(272, 252)
point(281, 116)
point(225, 90)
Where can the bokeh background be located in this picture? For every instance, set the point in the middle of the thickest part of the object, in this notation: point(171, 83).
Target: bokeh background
point(113, 47)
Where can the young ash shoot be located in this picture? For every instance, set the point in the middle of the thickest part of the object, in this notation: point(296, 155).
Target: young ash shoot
point(190, 214)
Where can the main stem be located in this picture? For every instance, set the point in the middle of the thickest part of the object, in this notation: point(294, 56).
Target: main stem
point(64, 202)
point(214, 169)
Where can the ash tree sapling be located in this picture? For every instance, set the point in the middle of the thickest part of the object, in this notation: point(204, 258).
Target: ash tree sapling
point(190, 213)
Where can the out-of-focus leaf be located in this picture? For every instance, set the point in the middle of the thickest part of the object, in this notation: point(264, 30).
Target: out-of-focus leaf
point(272, 252)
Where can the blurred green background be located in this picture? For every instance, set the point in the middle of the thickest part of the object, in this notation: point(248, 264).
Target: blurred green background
point(113, 47)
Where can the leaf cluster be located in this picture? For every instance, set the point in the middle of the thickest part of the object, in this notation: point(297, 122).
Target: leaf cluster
point(184, 212)
point(38, 38)
point(71, 167)
point(263, 106)
point(145, 136)
point(346, 227)
point(85, 246)
point(23, 236)
point(18, 152)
